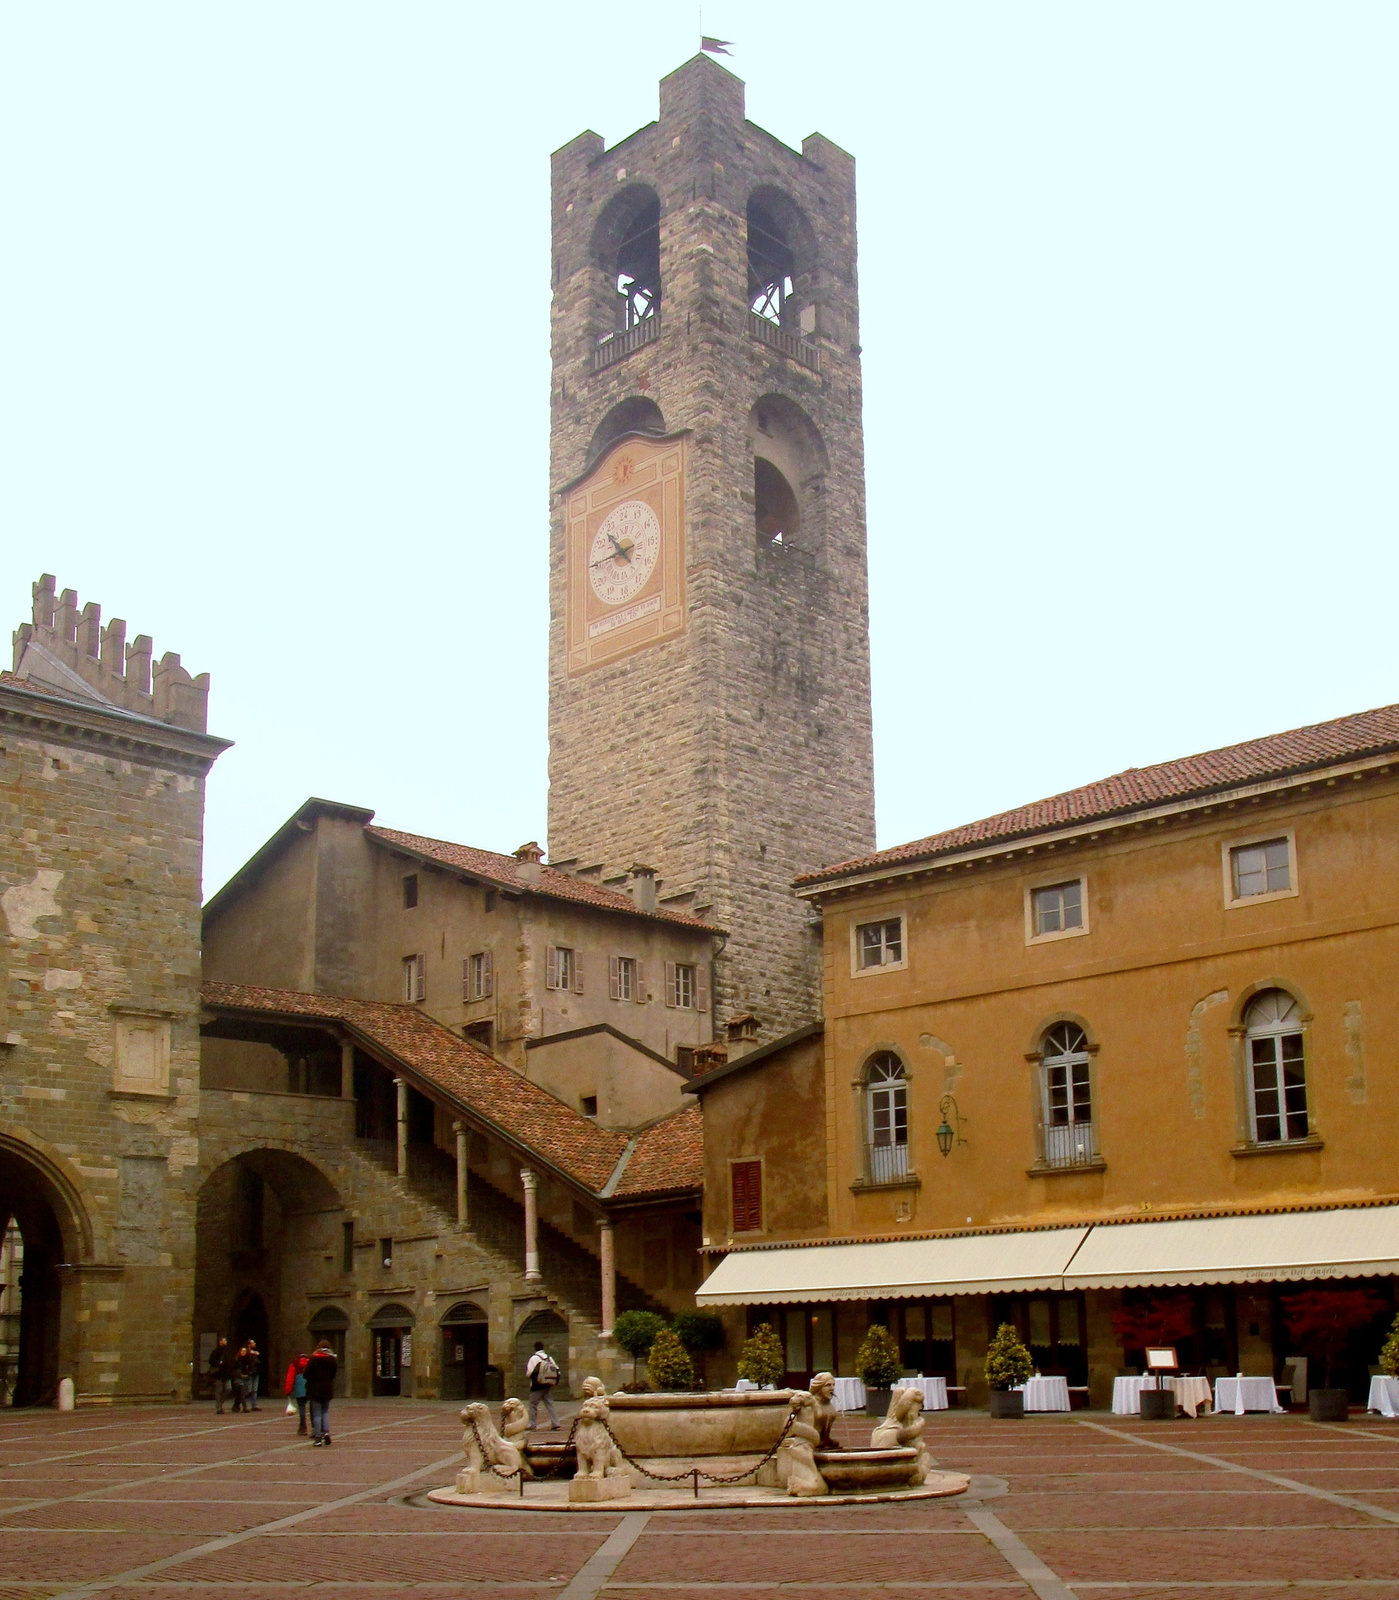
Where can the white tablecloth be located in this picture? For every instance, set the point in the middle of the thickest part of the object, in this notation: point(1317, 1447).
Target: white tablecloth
point(1246, 1394)
point(850, 1394)
point(1191, 1394)
point(933, 1390)
point(1384, 1396)
point(1046, 1394)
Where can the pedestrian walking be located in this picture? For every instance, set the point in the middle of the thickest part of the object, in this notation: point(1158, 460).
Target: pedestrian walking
point(220, 1367)
point(238, 1378)
point(320, 1386)
point(254, 1372)
point(543, 1373)
point(296, 1388)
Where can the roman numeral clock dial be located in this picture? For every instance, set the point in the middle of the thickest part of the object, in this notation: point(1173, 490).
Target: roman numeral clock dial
point(624, 552)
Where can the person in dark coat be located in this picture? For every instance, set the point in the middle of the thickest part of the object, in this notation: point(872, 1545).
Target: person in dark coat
point(220, 1370)
point(320, 1386)
point(238, 1379)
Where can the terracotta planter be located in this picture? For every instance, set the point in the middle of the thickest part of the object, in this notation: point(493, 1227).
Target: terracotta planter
point(1007, 1403)
point(877, 1401)
point(1158, 1405)
point(1328, 1405)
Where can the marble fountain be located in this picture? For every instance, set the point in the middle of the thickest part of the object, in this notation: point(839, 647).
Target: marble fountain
point(675, 1451)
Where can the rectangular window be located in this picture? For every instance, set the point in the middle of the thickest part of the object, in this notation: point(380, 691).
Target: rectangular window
point(685, 1058)
point(588, 1105)
point(880, 944)
point(1067, 1093)
point(414, 978)
point(386, 1252)
point(347, 1247)
point(563, 969)
point(681, 984)
point(621, 978)
point(1261, 868)
point(1279, 1088)
point(1058, 907)
point(410, 891)
point(482, 1033)
point(747, 1180)
point(477, 978)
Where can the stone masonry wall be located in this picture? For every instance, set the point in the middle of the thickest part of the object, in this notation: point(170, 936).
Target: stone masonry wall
point(739, 754)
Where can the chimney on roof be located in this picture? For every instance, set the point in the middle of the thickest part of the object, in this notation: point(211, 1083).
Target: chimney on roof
point(642, 887)
point(706, 1058)
point(743, 1034)
point(529, 856)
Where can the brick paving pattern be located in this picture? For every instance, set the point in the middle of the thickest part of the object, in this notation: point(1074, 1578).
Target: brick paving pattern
point(175, 1503)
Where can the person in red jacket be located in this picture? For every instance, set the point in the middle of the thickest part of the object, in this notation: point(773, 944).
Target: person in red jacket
point(296, 1388)
point(320, 1386)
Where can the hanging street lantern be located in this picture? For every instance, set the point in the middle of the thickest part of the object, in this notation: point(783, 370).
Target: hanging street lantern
point(949, 1132)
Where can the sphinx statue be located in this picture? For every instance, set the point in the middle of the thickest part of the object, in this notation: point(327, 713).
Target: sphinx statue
point(823, 1392)
point(491, 1461)
point(903, 1427)
point(795, 1463)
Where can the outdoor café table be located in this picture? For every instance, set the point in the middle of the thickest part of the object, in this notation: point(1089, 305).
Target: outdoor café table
point(1384, 1396)
point(1191, 1393)
point(1245, 1394)
point(933, 1390)
point(1046, 1394)
point(850, 1394)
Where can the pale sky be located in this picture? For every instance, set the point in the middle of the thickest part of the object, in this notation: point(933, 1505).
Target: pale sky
point(274, 372)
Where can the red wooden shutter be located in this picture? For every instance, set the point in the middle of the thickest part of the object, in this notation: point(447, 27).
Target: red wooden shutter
point(487, 975)
point(701, 986)
point(747, 1177)
point(670, 997)
point(614, 977)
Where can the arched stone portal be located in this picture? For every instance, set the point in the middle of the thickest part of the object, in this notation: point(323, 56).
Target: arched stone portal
point(53, 1227)
point(552, 1330)
point(265, 1219)
point(465, 1352)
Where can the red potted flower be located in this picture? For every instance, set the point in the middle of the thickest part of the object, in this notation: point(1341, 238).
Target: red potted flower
point(1321, 1321)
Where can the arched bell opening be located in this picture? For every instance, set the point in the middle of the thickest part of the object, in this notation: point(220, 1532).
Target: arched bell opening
point(636, 414)
point(789, 473)
point(627, 252)
point(781, 261)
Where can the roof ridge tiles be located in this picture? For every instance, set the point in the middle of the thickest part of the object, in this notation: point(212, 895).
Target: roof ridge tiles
point(1316, 745)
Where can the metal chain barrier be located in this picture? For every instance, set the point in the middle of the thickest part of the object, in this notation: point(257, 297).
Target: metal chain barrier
point(698, 1472)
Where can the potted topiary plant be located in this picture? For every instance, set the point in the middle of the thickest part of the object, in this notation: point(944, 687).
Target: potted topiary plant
point(1320, 1322)
point(878, 1365)
point(702, 1333)
point(1389, 1355)
point(761, 1359)
point(668, 1364)
point(635, 1332)
point(1007, 1364)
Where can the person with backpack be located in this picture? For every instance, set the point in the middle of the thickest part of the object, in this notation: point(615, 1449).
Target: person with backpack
point(543, 1373)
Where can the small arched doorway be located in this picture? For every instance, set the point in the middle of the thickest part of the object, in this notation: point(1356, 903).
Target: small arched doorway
point(552, 1331)
point(331, 1324)
point(465, 1352)
point(391, 1333)
point(44, 1231)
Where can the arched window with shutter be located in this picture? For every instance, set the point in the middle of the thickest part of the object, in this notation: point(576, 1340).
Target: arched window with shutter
point(1070, 1137)
point(886, 1117)
point(1277, 1069)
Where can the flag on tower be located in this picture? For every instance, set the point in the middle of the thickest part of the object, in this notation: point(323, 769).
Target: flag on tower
point(716, 47)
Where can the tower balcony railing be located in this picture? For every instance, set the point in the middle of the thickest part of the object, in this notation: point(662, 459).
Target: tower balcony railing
point(788, 344)
point(1070, 1144)
point(618, 346)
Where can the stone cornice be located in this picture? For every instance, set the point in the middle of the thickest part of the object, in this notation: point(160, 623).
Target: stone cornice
point(122, 734)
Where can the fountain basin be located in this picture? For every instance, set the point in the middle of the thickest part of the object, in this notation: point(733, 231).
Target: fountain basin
point(863, 1471)
point(667, 1426)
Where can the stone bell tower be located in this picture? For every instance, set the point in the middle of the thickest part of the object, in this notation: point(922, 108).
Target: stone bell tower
point(709, 691)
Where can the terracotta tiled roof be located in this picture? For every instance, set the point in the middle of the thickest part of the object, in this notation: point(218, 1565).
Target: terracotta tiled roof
point(476, 1081)
point(669, 1156)
point(504, 870)
point(1281, 754)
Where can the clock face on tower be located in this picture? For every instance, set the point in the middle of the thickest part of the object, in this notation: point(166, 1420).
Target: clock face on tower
point(625, 540)
point(624, 552)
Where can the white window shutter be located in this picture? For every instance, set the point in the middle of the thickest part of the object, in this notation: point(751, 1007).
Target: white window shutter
point(639, 982)
point(577, 972)
point(487, 976)
point(614, 977)
point(701, 986)
point(670, 995)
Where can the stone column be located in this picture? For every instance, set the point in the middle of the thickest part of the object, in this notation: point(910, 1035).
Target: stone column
point(459, 1128)
point(532, 1272)
point(608, 1254)
point(401, 1084)
point(347, 1070)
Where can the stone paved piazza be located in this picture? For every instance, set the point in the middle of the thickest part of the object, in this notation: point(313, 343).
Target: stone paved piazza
point(178, 1503)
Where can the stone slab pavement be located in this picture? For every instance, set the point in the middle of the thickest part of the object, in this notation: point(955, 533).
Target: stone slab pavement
point(174, 1502)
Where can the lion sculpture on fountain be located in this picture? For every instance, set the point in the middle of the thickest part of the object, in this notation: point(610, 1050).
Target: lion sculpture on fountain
point(598, 1456)
point(490, 1459)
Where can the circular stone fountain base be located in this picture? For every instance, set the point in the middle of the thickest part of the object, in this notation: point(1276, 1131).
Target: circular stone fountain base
point(552, 1495)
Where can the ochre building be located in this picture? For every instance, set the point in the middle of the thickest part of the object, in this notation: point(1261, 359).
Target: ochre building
point(1122, 1055)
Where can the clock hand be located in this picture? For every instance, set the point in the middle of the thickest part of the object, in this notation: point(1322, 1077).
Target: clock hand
point(623, 551)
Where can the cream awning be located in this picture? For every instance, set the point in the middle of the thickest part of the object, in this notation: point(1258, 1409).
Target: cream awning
point(985, 1263)
point(1355, 1243)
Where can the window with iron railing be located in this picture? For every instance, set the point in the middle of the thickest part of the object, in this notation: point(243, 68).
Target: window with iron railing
point(886, 1094)
point(1070, 1139)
